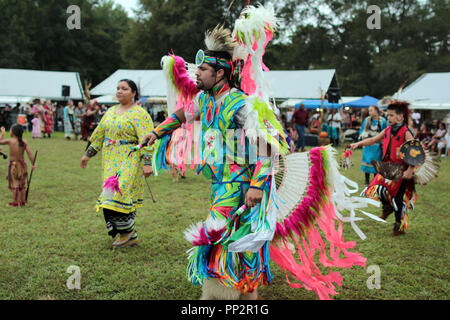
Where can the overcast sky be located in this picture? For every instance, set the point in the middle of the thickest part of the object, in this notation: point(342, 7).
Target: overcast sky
point(128, 5)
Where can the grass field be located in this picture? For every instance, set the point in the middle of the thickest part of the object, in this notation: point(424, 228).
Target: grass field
point(60, 228)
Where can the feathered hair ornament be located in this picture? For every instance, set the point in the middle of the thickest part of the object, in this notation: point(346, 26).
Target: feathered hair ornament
point(220, 39)
point(253, 30)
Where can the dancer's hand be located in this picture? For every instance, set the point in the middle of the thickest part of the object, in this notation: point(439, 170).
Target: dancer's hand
point(147, 170)
point(408, 174)
point(84, 161)
point(151, 137)
point(253, 197)
point(354, 145)
point(2, 129)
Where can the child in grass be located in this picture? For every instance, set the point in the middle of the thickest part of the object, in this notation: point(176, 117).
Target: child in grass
point(36, 132)
point(17, 169)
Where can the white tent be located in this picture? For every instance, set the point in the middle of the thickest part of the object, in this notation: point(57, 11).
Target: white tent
point(431, 91)
point(289, 103)
point(40, 84)
point(299, 84)
point(150, 82)
point(107, 99)
point(344, 100)
point(307, 84)
point(292, 102)
point(14, 100)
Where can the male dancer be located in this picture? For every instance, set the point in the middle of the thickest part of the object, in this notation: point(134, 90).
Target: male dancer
point(223, 273)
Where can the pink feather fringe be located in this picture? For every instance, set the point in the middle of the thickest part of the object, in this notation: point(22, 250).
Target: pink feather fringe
point(316, 207)
point(112, 184)
point(183, 83)
point(203, 238)
point(248, 85)
point(180, 148)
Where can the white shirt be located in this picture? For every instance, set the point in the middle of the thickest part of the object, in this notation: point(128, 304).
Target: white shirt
point(289, 116)
point(337, 117)
point(447, 138)
point(416, 117)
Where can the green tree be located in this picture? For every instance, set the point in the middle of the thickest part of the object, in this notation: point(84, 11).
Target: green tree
point(37, 37)
point(164, 26)
point(413, 39)
point(16, 43)
point(314, 34)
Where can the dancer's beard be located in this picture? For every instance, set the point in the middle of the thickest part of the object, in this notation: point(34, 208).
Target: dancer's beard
point(200, 85)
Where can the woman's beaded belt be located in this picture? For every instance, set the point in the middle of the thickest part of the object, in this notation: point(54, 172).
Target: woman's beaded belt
point(112, 142)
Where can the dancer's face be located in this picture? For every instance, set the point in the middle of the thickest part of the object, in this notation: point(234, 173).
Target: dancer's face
point(124, 93)
point(207, 76)
point(373, 112)
point(393, 117)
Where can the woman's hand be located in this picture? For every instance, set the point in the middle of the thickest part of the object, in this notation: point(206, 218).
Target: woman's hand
point(84, 161)
point(147, 170)
point(354, 145)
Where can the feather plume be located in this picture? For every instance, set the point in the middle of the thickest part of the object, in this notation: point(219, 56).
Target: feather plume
point(220, 39)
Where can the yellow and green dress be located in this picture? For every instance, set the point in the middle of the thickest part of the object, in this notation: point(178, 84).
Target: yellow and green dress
point(115, 136)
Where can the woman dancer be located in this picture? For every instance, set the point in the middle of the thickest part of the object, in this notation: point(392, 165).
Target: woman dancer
point(121, 128)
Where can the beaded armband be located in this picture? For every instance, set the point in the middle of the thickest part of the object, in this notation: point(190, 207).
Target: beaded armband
point(90, 151)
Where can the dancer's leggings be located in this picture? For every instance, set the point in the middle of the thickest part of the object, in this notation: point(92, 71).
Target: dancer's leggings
point(368, 177)
point(118, 222)
point(399, 202)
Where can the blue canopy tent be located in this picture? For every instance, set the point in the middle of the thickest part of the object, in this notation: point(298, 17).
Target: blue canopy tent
point(317, 103)
point(364, 102)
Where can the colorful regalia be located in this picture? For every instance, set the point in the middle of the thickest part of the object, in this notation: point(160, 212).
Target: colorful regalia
point(302, 192)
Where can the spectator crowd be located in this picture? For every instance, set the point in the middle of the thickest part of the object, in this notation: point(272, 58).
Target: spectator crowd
point(314, 127)
point(304, 127)
point(43, 118)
